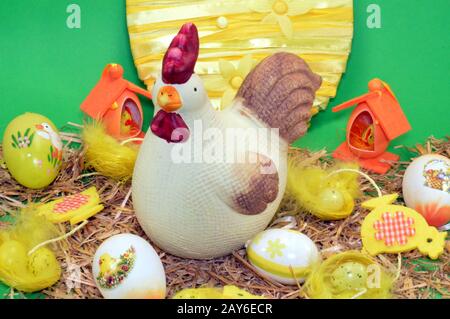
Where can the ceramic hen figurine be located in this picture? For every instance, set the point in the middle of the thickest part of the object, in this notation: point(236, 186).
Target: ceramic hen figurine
point(206, 181)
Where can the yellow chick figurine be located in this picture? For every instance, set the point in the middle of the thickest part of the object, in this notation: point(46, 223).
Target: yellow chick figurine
point(326, 193)
point(125, 119)
point(393, 229)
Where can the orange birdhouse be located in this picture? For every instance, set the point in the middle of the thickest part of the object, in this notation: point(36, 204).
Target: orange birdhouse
point(376, 120)
point(114, 102)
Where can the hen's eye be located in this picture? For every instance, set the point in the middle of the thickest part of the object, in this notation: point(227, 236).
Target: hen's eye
point(195, 89)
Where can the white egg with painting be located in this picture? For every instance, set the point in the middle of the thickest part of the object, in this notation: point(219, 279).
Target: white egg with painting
point(426, 188)
point(126, 266)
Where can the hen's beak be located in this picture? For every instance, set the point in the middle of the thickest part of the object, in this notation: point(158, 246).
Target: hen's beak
point(39, 127)
point(169, 99)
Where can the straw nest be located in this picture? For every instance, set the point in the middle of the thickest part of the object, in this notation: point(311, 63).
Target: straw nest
point(416, 279)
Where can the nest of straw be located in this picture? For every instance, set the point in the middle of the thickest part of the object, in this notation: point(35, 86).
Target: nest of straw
point(76, 252)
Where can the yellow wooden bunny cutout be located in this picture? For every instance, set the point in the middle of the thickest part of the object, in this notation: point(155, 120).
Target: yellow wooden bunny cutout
point(394, 229)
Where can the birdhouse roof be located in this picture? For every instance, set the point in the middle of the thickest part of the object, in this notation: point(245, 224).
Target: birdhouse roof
point(107, 91)
point(385, 108)
point(389, 114)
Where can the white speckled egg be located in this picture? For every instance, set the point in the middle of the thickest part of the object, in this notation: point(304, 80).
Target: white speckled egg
point(274, 251)
point(426, 188)
point(126, 266)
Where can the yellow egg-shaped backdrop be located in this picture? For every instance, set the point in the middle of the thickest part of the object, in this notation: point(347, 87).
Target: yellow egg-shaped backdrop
point(235, 35)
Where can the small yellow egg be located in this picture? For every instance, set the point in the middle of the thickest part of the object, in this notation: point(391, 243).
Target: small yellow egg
point(332, 199)
point(43, 263)
point(13, 257)
point(32, 150)
point(349, 276)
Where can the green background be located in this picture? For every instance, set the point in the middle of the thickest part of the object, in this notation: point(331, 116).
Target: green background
point(47, 68)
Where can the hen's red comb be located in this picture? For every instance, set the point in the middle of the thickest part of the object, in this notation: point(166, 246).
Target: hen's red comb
point(179, 60)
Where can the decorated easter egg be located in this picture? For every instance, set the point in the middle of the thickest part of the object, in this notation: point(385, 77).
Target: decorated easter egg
point(283, 255)
point(13, 255)
point(126, 266)
point(332, 199)
point(349, 276)
point(33, 272)
point(426, 188)
point(32, 150)
point(43, 261)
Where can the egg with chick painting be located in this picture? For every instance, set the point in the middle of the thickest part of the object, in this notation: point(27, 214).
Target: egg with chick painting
point(126, 266)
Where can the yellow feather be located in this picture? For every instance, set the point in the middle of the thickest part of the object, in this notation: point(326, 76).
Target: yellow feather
point(19, 270)
point(106, 155)
point(321, 193)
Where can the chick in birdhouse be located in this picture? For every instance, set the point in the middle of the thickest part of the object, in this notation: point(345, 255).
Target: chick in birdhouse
point(114, 102)
point(326, 193)
point(128, 126)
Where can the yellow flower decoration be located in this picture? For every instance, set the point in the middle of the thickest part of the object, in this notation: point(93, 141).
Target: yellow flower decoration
point(231, 79)
point(279, 12)
point(275, 248)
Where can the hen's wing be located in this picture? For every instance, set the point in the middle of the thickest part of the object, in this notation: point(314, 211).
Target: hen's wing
point(280, 92)
point(254, 184)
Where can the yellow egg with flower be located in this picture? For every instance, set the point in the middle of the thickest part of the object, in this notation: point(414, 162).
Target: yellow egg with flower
point(32, 150)
point(283, 255)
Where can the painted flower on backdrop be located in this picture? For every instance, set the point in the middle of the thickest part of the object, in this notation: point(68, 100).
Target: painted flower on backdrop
point(280, 11)
point(230, 79)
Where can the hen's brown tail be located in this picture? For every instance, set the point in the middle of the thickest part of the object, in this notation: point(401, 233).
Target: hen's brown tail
point(280, 92)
